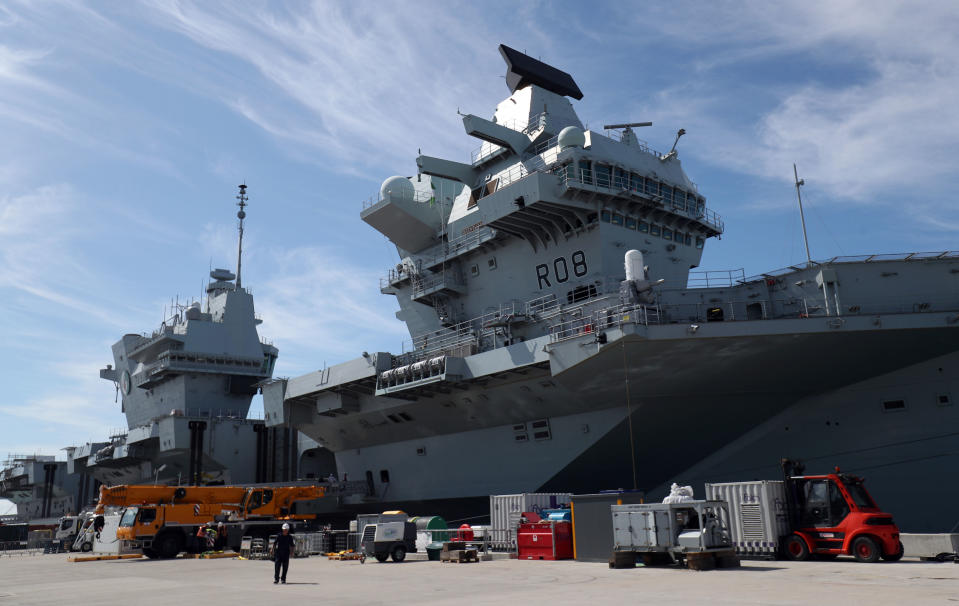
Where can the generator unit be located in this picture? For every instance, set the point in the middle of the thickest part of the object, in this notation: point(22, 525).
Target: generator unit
point(384, 540)
point(670, 528)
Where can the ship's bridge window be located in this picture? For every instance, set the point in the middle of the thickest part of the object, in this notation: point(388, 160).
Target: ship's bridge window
point(689, 240)
point(652, 187)
point(679, 237)
point(603, 175)
point(635, 182)
point(630, 223)
point(585, 174)
point(653, 229)
point(604, 216)
point(667, 194)
point(644, 227)
point(617, 218)
point(620, 179)
point(679, 199)
point(699, 242)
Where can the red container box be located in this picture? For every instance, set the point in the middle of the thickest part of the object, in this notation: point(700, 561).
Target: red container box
point(545, 541)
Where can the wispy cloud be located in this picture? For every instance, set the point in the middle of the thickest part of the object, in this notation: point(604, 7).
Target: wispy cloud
point(358, 83)
point(867, 114)
point(313, 300)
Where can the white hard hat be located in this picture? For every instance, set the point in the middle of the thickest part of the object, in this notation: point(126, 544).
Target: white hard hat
point(286, 526)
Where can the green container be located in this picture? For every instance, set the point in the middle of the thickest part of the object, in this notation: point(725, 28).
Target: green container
point(432, 523)
point(433, 551)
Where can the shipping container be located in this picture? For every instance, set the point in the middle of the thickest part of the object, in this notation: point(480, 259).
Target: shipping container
point(505, 510)
point(759, 518)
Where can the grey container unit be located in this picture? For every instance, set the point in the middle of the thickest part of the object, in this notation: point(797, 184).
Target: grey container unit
point(593, 524)
point(505, 511)
point(758, 517)
point(674, 528)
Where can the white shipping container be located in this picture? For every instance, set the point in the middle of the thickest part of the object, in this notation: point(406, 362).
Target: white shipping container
point(759, 514)
point(505, 509)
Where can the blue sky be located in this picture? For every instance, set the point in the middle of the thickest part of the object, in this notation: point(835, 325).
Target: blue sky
point(125, 127)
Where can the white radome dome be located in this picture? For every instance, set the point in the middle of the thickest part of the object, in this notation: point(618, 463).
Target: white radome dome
point(571, 136)
point(397, 188)
point(634, 265)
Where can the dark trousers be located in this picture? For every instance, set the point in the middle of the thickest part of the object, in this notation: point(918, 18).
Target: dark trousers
point(283, 562)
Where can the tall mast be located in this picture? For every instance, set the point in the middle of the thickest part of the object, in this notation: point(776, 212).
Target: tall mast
point(241, 215)
point(802, 217)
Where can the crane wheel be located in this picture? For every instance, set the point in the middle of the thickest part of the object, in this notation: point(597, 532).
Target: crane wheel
point(86, 547)
point(168, 545)
point(795, 548)
point(865, 549)
point(895, 557)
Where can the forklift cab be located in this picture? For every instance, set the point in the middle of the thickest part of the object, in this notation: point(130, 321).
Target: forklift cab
point(820, 503)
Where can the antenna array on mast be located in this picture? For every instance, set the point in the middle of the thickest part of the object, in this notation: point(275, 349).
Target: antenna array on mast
point(241, 214)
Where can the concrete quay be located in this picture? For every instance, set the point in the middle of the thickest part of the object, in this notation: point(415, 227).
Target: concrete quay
point(52, 579)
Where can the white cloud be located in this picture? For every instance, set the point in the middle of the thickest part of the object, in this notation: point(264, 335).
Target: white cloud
point(312, 299)
point(364, 84)
point(38, 256)
point(869, 116)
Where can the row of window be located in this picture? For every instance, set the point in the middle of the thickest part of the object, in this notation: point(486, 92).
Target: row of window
point(652, 229)
point(604, 175)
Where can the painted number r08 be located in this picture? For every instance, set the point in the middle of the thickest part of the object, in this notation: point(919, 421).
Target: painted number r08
point(562, 269)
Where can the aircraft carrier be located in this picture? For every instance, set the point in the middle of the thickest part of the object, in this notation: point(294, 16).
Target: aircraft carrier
point(562, 341)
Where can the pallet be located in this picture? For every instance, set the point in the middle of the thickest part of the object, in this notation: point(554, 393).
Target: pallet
point(709, 560)
point(212, 556)
point(461, 556)
point(127, 556)
point(345, 555)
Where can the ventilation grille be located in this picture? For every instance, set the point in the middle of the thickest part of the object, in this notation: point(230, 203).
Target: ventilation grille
point(369, 532)
point(752, 521)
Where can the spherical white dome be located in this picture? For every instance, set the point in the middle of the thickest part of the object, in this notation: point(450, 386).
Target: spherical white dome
point(397, 188)
point(571, 136)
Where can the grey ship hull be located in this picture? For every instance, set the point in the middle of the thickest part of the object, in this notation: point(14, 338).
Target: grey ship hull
point(724, 406)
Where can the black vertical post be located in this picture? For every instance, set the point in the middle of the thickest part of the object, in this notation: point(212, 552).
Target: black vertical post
point(200, 427)
point(259, 453)
point(191, 473)
point(294, 454)
point(272, 451)
point(48, 470)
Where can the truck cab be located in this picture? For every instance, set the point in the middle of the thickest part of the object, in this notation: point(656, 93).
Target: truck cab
point(834, 515)
point(67, 530)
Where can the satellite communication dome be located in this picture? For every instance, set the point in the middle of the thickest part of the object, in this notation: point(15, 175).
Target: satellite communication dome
point(571, 136)
point(634, 265)
point(397, 188)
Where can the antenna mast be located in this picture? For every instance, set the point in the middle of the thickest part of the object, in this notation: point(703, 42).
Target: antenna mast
point(802, 217)
point(240, 215)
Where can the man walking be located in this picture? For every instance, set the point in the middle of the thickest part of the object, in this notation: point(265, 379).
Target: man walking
point(282, 550)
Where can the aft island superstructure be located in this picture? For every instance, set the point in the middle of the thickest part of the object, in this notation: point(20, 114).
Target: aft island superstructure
point(540, 362)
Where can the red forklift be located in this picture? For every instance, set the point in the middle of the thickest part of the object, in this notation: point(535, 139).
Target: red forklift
point(832, 515)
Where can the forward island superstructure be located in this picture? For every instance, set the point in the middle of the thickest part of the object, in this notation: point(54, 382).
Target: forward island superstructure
point(561, 342)
point(186, 390)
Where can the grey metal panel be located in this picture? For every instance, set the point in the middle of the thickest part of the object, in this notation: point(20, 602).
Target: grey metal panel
point(593, 524)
